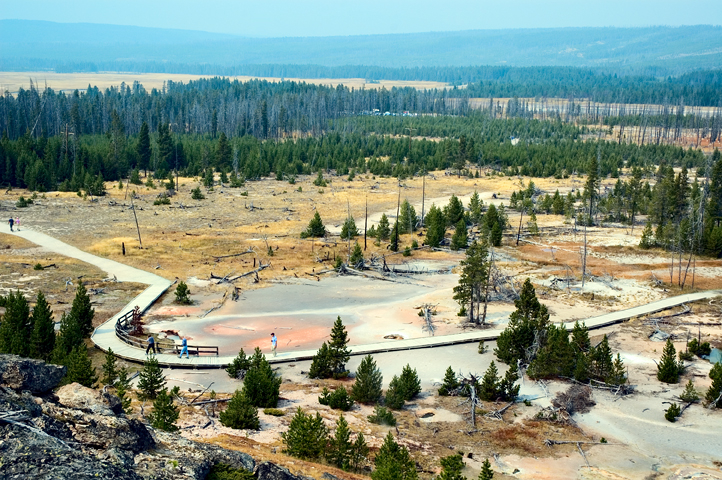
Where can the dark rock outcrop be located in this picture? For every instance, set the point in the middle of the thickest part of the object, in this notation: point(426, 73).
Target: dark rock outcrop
point(80, 433)
point(34, 376)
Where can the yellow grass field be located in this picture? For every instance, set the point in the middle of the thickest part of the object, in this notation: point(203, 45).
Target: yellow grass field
point(13, 81)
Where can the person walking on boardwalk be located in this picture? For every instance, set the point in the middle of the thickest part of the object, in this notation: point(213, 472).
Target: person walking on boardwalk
point(184, 344)
point(274, 343)
point(17, 223)
point(151, 345)
point(11, 221)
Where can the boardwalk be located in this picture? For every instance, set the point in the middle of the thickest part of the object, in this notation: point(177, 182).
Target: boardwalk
point(104, 336)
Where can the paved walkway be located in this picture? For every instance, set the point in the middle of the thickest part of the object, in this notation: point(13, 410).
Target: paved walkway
point(104, 336)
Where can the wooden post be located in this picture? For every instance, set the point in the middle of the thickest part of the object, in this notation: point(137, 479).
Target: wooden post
point(398, 205)
point(123, 245)
point(366, 221)
point(132, 205)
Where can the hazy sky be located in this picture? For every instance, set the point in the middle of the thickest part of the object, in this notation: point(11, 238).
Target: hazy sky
point(271, 18)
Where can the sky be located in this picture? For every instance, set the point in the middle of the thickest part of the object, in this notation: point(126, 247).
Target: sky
point(294, 18)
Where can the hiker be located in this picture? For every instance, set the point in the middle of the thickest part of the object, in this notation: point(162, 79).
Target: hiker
point(11, 221)
point(151, 345)
point(184, 344)
point(17, 223)
point(274, 343)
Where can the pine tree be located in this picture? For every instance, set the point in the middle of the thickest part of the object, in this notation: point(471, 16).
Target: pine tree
point(394, 395)
point(240, 414)
point(122, 388)
point(476, 206)
point(135, 177)
point(143, 150)
point(42, 338)
point(349, 230)
point(647, 240)
point(393, 462)
point(182, 294)
point(165, 413)
point(340, 448)
point(580, 338)
point(451, 467)
point(712, 396)
point(556, 357)
point(591, 187)
point(151, 380)
point(357, 256)
point(223, 151)
point(449, 384)
point(672, 413)
point(315, 227)
point(394, 246)
point(454, 211)
point(239, 366)
point(69, 337)
point(367, 388)
point(384, 229)
point(460, 237)
point(435, 226)
point(338, 350)
point(618, 375)
point(261, 385)
point(359, 451)
point(306, 437)
point(321, 363)
point(410, 383)
point(474, 276)
point(80, 368)
point(16, 329)
point(110, 371)
point(407, 218)
point(601, 360)
point(508, 389)
point(489, 387)
point(690, 394)
point(668, 369)
point(526, 330)
point(486, 472)
point(82, 311)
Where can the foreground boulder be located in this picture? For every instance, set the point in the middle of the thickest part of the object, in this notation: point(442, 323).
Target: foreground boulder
point(28, 374)
point(81, 433)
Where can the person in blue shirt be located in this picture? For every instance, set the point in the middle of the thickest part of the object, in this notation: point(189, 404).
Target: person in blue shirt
point(185, 348)
point(151, 345)
point(274, 343)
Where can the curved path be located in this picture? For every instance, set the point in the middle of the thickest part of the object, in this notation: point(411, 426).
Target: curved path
point(104, 336)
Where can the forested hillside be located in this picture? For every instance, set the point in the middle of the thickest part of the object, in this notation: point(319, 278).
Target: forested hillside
point(45, 45)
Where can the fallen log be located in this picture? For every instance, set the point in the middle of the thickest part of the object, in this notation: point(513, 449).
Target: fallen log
point(250, 250)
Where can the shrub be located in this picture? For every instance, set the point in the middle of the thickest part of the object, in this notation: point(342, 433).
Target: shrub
point(339, 399)
point(240, 414)
point(162, 200)
point(223, 471)
point(382, 416)
point(196, 194)
point(23, 202)
point(409, 383)
point(122, 386)
point(340, 447)
point(672, 413)
point(451, 468)
point(182, 294)
point(394, 395)
point(315, 227)
point(367, 388)
point(690, 394)
point(110, 371)
point(38, 267)
point(714, 394)
point(306, 437)
point(274, 412)
point(319, 181)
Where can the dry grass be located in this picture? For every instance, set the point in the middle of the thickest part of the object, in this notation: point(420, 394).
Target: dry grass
point(13, 81)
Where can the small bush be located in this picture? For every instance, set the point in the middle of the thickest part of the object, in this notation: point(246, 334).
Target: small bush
point(339, 399)
point(23, 202)
point(223, 471)
point(196, 194)
point(407, 252)
point(38, 267)
point(688, 356)
point(162, 200)
point(672, 413)
point(274, 412)
point(182, 294)
point(240, 414)
point(382, 416)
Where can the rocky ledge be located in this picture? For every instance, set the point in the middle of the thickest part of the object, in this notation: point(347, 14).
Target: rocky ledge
point(81, 433)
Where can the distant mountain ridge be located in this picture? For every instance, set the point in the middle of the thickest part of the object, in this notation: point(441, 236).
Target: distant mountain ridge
point(28, 45)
